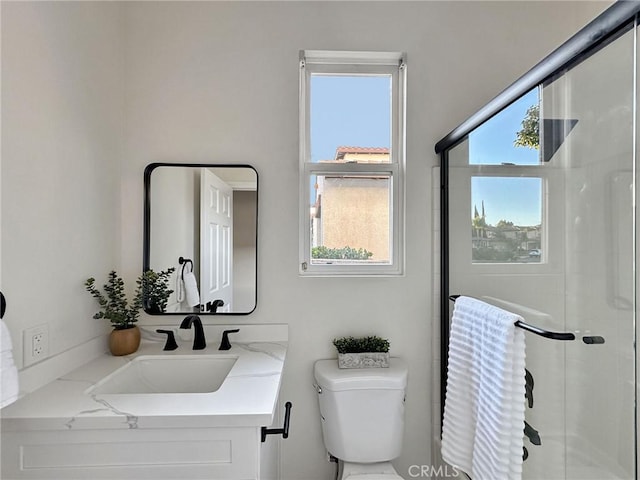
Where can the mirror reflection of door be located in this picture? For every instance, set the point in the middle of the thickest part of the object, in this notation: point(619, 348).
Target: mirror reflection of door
point(206, 213)
point(216, 240)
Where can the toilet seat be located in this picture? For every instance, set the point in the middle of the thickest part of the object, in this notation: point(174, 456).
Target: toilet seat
point(374, 476)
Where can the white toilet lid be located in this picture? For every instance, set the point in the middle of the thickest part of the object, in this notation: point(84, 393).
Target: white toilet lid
point(374, 476)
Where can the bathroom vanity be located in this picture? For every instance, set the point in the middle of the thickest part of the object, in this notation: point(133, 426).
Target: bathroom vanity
point(92, 424)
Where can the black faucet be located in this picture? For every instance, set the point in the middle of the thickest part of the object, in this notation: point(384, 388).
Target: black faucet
point(199, 342)
point(224, 344)
point(171, 339)
point(213, 306)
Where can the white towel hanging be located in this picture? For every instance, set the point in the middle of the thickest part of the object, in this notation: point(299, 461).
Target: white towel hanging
point(482, 431)
point(9, 389)
point(179, 289)
point(191, 289)
point(187, 285)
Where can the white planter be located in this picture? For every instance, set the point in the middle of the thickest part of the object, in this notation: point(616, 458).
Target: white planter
point(363, 360)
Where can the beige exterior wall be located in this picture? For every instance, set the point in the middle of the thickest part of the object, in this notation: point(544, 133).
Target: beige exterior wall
point(355, 213)
point(366, 157)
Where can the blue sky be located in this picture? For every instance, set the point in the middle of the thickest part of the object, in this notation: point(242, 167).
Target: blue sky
point(356, 111)
point(349, 111)
point(492, 142)
point(515, 199)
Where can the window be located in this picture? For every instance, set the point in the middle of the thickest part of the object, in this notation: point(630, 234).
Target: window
point(506, 221)
point(507, 185)
point(351, 163)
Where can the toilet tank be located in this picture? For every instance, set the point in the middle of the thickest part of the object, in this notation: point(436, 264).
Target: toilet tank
point(362, 410)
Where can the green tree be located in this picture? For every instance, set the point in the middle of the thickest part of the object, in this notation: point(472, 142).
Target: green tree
point(504, 223)
point(529, 135)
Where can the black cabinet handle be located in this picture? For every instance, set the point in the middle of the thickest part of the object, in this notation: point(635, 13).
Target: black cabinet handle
point(277, 431)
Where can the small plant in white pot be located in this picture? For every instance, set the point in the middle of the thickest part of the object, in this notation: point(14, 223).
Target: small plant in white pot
point(362, 352)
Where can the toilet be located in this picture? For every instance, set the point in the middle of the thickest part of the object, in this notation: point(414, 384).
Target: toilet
point(362, 415)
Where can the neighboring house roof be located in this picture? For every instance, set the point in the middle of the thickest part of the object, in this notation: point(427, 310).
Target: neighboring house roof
point(344, 150)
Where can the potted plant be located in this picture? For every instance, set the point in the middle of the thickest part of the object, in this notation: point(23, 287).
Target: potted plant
point(363, 352)
point(155, 290)
point(152, 291)
point(125, 336)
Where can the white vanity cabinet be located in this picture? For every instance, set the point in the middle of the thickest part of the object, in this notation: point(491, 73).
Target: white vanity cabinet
point(137, 454)
point(61, 432)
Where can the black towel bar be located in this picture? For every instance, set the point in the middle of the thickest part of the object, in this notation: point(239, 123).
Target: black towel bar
point(536, 330)
point(183, 261)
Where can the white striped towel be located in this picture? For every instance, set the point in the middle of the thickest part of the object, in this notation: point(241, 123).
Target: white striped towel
point(482, 431)
point(8, 371)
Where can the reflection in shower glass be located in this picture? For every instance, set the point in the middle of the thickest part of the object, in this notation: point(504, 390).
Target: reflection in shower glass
point(511, 137)
point(554, 239)
point(506, 220)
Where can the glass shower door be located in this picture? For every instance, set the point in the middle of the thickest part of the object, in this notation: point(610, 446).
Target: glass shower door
point(541, 222)
point(595, 100)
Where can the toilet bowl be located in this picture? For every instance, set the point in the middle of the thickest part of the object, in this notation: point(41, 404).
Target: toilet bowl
point(370, 471)
point(374, 476)
point(362, 416)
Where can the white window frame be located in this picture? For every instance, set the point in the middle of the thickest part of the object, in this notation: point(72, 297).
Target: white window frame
point(520, 171)
point(353, 63)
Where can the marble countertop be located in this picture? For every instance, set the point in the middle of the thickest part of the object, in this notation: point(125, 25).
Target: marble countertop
point(248, 396)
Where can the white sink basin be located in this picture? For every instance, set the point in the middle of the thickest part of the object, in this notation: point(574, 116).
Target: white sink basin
point(167, 374)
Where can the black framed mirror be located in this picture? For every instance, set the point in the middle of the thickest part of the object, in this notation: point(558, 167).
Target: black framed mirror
point(201, 237)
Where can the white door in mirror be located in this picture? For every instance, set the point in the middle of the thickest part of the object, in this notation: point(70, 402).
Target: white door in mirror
point(216, 241)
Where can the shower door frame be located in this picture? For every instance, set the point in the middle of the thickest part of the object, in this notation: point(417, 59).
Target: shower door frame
point(599, 32)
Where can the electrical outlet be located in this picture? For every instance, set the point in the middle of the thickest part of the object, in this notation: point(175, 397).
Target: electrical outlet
point(35, 344)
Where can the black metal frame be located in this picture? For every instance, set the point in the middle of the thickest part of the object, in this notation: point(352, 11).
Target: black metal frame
point(537, 330)
point(595, 33)
point(593, 36)
point(146, 234)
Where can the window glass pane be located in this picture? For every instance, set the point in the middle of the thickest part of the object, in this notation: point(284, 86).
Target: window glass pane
point(511, 137)
point(351, 219)
point(506, 219)
point(351, 111)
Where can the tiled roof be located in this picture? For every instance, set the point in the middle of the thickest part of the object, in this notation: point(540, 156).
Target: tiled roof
point(345, 150)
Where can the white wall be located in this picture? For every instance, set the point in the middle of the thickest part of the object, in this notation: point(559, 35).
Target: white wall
point(244, 250)
point(175, 221)
point(62, 131)
point(218, 82)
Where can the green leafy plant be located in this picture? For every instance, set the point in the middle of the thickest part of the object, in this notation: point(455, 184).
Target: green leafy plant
point(114, 305)
point(529, 135)
point(344, 253)
point(152, 289)
point(362, 344)
point(155, 289)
